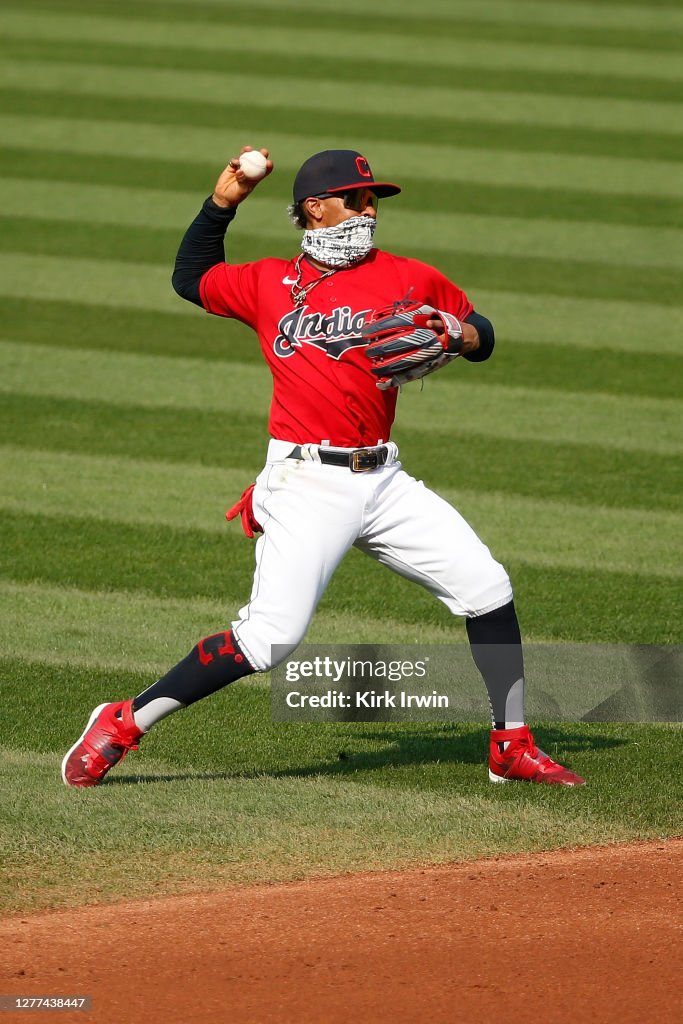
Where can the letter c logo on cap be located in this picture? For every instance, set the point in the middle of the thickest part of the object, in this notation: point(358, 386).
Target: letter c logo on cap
point(363, 167)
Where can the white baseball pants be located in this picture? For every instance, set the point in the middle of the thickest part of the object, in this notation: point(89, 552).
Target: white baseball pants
point(312, 514)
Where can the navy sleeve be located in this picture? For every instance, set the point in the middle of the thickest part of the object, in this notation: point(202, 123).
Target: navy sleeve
point(201, 249)
point(486, 337)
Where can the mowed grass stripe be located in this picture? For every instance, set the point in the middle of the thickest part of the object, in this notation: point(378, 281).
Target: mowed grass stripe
point(521, 364)
point(121, 490)
point(468, 108)
point(554, 601)
point(419, 48)
point(557, 277)
point(69, 324)
point(520, 320)
point(531, 413)
point(528, 80)
point(134, 208)
point(552, 320)
point(533, 530)
point(636, 176)
point(468, 197)
point(99, 283)
point(565, 472)
point(660, 16)
point(583, 23)
point(456, 399)
point(266, 119)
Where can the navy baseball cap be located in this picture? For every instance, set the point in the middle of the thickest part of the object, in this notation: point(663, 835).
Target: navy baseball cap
point(338, 170)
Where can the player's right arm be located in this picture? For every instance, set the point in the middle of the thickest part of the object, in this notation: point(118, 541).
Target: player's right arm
point(202, 245)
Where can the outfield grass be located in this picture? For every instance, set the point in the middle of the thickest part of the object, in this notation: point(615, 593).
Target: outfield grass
point(548, 187)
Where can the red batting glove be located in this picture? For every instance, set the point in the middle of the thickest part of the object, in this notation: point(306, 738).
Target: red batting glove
point(245, 508)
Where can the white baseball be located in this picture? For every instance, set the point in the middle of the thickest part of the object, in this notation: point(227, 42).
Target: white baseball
point(253, 164)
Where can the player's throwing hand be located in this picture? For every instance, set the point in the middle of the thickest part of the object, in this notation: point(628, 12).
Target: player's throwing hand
point(233, 185)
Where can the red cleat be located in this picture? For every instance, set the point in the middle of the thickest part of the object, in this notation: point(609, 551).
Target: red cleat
point(522, 761)
point(106, 741)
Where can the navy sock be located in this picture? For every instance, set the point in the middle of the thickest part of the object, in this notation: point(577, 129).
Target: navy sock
point(213, 663)
point(496, 646)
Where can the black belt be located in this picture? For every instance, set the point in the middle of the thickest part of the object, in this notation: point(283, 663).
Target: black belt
point(360, 460)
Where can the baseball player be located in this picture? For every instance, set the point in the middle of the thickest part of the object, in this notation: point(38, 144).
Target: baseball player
point(341, 326)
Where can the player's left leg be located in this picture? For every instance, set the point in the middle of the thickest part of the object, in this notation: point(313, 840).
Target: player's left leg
point(420, 536)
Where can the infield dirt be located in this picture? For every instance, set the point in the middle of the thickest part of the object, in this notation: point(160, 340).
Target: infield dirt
point(592, 934)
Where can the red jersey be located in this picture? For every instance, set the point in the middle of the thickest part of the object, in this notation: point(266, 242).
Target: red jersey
point(323, 387)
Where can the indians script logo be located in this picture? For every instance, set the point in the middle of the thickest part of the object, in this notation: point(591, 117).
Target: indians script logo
point(333, 333)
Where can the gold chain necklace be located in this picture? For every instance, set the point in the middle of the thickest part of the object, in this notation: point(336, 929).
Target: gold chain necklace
point(298, 291)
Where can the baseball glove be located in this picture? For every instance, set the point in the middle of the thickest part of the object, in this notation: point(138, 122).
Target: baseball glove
point(401, 347)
